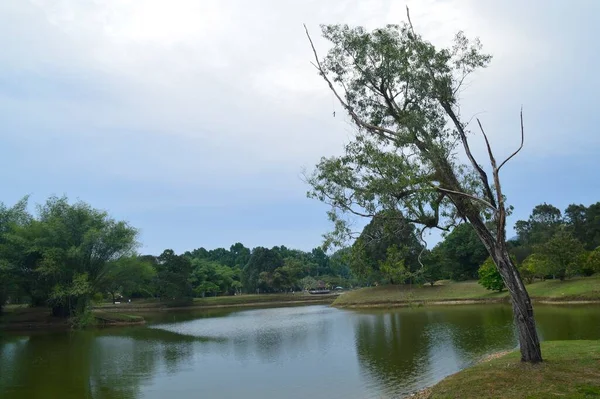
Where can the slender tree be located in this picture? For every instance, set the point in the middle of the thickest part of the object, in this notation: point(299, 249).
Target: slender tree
point(402, 94)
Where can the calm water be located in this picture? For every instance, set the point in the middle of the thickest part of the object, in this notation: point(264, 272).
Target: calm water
point(300, 352)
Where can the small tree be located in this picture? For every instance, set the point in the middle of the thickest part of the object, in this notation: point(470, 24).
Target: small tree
point(489, 276)
point(593, 261)
point(534, 266)
point(564, 255)
point(393, 268)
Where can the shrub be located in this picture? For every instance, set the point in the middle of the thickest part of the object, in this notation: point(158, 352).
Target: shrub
point(489, 277)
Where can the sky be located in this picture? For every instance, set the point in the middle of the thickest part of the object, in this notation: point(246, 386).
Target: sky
point(195, 119)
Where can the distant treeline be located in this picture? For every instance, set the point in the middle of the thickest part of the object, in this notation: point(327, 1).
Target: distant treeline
point(67, 254)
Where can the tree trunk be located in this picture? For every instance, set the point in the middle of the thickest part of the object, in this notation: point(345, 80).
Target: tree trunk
point(529, 343)
point(522, 309)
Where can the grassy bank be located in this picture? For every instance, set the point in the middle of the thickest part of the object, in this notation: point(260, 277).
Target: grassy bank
point(578, 289)
point(21, 318)
point(571, 370)
point(220, 302)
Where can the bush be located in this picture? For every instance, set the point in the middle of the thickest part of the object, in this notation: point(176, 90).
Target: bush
point(593, 261)
point(489, 277)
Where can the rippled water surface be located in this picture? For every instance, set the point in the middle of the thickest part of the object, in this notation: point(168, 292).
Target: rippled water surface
point(298, 352)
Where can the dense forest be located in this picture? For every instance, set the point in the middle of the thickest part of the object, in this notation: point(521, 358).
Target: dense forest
point(67, 255)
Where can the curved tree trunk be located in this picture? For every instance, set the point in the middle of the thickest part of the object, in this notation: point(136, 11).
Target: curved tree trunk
point(522, 309)
point(529, 342)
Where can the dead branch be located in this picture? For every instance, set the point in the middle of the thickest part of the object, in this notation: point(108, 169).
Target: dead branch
point(445, 190)
point(520, 147)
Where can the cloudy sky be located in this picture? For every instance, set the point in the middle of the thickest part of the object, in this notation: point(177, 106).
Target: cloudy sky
point(194, 119)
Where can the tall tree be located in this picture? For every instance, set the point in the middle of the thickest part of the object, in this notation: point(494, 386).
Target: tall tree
point(262, 260)
point(564, 255)
point(172, 276)
point(461, 253)
point(10, 218)
point(402, 94)
point(545, 220)
point(389, 229)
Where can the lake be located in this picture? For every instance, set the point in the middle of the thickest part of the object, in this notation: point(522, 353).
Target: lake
point(292, 352)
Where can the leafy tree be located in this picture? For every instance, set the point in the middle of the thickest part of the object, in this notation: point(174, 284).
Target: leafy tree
point(173, 273)
point(461, 253)
point(62, 253)
point(584, 224)
point(320, 258)
point(534, 266)
point(262, 260)
point(126, 276)
point(307, 282)
point(563, 254)
point(387, 230)
point(10, 218)
point(339, 262)
point(593, 261)
point(432, 267)
point(545, 220)
point(402, 94)
point(393, 266)
point(489, 276)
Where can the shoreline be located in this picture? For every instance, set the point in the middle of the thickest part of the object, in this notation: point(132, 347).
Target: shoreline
point(426, 392)
point(41, 321)
point(502, 374)
point(453, 302)
point(37, 319)
point(151, 309)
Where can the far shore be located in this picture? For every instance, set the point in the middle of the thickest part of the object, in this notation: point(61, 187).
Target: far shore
point(582, 290)
point(578, 291)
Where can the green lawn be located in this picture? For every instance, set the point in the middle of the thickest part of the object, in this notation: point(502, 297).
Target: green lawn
point(116, 318)
point(583, 288)
point(571, 369)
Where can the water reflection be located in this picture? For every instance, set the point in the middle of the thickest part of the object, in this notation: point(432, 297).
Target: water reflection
point(286, 352)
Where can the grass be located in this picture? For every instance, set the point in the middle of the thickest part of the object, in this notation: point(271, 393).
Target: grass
point(571, 369)
point(218, 301)
point(116, 318)
point(583, 288)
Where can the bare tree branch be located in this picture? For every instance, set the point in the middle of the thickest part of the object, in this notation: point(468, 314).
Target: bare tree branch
point(409, 21)
point(520, 147)
point(463, 137)
point(445, 190)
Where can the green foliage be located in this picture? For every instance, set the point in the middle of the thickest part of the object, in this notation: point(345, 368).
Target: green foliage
point(173, 273)
point(370, 252)
point(489, 277)
point(593, 261)
point(127, 276)
point(563, 254)
point(307, 282)
point(257, 272)
point(584, 224)
point(461, 253)
point(545, 221)
point(534, 266)
point(58, 256)
point(393, 266)
point(210, 277)
point(432, 267)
